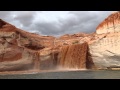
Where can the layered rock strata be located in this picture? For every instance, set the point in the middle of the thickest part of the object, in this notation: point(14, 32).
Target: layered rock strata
point(20, 50)
point(110, 25)
point(105, 48)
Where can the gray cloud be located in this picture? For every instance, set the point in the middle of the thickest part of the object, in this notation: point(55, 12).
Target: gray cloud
point(25, 18)
point(74, 22)
point(4, 14)
point(83, 21)
point(87, 21)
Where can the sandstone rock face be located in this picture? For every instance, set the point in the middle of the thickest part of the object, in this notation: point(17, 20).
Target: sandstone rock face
point(20, 50)
point(48, 59)
point(104, 49)
point(110, 25)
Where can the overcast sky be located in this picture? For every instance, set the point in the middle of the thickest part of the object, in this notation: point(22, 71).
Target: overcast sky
point(55, 22)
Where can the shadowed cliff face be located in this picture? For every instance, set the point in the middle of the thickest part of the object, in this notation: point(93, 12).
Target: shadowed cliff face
point(48, 58)
point(2, 23)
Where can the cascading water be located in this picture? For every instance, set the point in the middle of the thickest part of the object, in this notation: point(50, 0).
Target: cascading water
point(75, 57)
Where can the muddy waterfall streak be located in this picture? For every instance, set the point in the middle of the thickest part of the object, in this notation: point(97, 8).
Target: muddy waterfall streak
point(37, 61)
point(74, 56)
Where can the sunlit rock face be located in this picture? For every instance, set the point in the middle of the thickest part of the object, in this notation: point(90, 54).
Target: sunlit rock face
point(105, 48)
point(105, 51)
point(110, 25)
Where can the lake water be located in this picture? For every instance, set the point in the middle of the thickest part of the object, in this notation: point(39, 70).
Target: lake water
point(103, 74)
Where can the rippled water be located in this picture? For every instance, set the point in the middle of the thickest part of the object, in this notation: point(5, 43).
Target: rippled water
point(68, 75)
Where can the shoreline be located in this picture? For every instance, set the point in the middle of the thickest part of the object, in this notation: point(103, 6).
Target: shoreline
point(52, 71)
point(36, 72)
point(42, 71)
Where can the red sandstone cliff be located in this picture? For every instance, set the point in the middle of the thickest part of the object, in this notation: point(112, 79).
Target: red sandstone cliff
point(110, 25)
point(104, 49)
point(100, 51)
point(20, 50)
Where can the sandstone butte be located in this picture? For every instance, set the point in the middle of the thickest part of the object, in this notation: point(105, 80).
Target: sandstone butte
point(24, 51)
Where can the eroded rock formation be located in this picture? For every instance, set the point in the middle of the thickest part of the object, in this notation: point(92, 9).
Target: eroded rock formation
point(20, 50)
point(110, 25)
point(105, 47)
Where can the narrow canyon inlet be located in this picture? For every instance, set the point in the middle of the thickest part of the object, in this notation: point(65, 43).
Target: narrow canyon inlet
point(23, 52)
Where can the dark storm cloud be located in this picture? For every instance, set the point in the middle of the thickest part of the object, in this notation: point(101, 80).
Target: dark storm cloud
point(25, 18)
point(46, 28)
point(4, 14)
point(86, 21)
point(82, 21)
point(74, 22)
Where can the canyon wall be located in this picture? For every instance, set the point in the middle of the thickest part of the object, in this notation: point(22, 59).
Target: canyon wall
point(48, 59)
point(21, 50)
point(110, 25)
point(105, 51)
point(105, 48)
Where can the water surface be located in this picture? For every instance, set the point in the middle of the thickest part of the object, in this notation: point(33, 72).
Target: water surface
point(103, 74)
